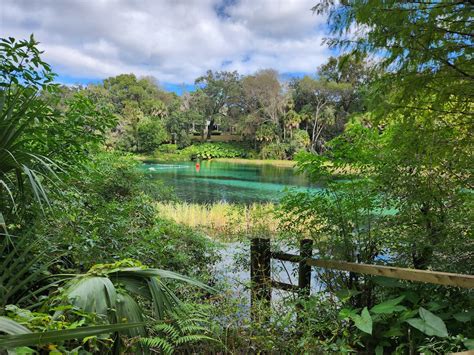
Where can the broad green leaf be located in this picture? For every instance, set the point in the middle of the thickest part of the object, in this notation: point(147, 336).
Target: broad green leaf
point(346, 313)
point(346, 294)
point(429, 324)
point(389, 306)
point(364, 321)
point(464, 317)
point(54, 336)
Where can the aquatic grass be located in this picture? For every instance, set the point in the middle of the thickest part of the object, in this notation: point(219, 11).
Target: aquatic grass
point(221, 219)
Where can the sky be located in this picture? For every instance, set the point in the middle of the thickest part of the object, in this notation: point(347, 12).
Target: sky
point(175, 41)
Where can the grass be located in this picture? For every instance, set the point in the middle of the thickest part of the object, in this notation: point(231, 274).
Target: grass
point(223, 220)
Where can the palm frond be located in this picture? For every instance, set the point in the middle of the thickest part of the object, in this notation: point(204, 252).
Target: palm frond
point(28, 339)
point(93, 294)
point(22, 270)
point(11, 327)
point(101, 291)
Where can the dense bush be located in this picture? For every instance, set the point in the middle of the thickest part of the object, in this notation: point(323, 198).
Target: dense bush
point(299, 141)
point(151, 133)
point(274, 151)
point(167, 148)
point(107, 213)
point(214, 150)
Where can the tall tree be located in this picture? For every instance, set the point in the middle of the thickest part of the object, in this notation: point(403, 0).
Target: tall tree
point(221, 91)
point(425, 47)
point(317, 100)
point(422, 105)
point(263, 93)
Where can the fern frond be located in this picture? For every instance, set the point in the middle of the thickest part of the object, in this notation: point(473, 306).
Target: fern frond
point(190, 329)
point(169, 330)
point(193, 338)
point(159, 343)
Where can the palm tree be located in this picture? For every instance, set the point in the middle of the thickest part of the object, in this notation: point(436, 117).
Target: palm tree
point(22, 75)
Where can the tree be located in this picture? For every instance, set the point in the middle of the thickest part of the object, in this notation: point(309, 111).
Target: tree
point(151, 133)
point(291, 119)
point(220, 91)
point(132, 100)
point(355, 71)
point(316, 100)
point(424, 46)
point(422, 104)
point(263, 93)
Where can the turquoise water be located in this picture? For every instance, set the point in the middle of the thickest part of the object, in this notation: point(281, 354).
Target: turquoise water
point(230, 182)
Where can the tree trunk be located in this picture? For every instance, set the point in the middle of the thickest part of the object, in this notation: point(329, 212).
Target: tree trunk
point(209, 128)
point(422, 258)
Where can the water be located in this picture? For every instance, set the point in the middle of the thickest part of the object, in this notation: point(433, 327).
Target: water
point(216, 181)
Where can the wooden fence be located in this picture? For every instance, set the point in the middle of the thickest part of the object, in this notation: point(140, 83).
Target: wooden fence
point(262, 282)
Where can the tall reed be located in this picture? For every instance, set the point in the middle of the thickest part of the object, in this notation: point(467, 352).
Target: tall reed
point(223, 219)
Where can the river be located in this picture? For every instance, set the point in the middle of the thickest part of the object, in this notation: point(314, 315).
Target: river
point(215, 181)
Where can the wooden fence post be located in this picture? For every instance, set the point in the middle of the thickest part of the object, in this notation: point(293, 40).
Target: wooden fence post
point(304, 273)
point(260, 267)
point(304, 270)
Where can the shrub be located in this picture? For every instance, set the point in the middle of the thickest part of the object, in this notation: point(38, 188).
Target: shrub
point(167, 148)
point(274, 151)
point(299, 141)
point(214, 150)
point(151, 133)
point(106, 215)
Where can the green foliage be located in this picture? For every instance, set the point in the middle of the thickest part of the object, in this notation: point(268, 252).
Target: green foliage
point(23, 74)
point(185, 329)
point(18, 342)
point(424, 46)
point(34, 137)
point(107, 213)
point(299, 141)
point(151, 133)
point(167, 148)
point(363, 321)
point(274, 151)
point(207, 151)
point(395, 319)
point(266, 133)
point(429, 324)
point(104, 290)
point(21, 270)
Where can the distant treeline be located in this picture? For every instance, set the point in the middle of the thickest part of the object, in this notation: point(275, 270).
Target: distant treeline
point(277, 118)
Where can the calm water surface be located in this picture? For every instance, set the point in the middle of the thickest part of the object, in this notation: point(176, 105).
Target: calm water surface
point(230, 182)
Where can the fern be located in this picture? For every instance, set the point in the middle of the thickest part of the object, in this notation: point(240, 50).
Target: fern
point(184, 326)
point(159, 343)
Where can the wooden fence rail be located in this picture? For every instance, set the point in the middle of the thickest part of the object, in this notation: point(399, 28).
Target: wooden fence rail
point(262, 283)
point(432, 277)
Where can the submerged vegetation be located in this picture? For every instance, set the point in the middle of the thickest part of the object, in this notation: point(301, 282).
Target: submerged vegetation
point(99, 258)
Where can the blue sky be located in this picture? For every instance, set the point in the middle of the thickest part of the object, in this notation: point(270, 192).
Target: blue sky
point(173, 41)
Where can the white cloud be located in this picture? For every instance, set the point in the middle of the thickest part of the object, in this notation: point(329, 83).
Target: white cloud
point(172, 40)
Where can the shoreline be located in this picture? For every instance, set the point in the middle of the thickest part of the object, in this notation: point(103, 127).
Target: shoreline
point(273, 162)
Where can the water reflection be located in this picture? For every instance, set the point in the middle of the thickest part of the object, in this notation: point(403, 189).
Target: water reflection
point(214, 181)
